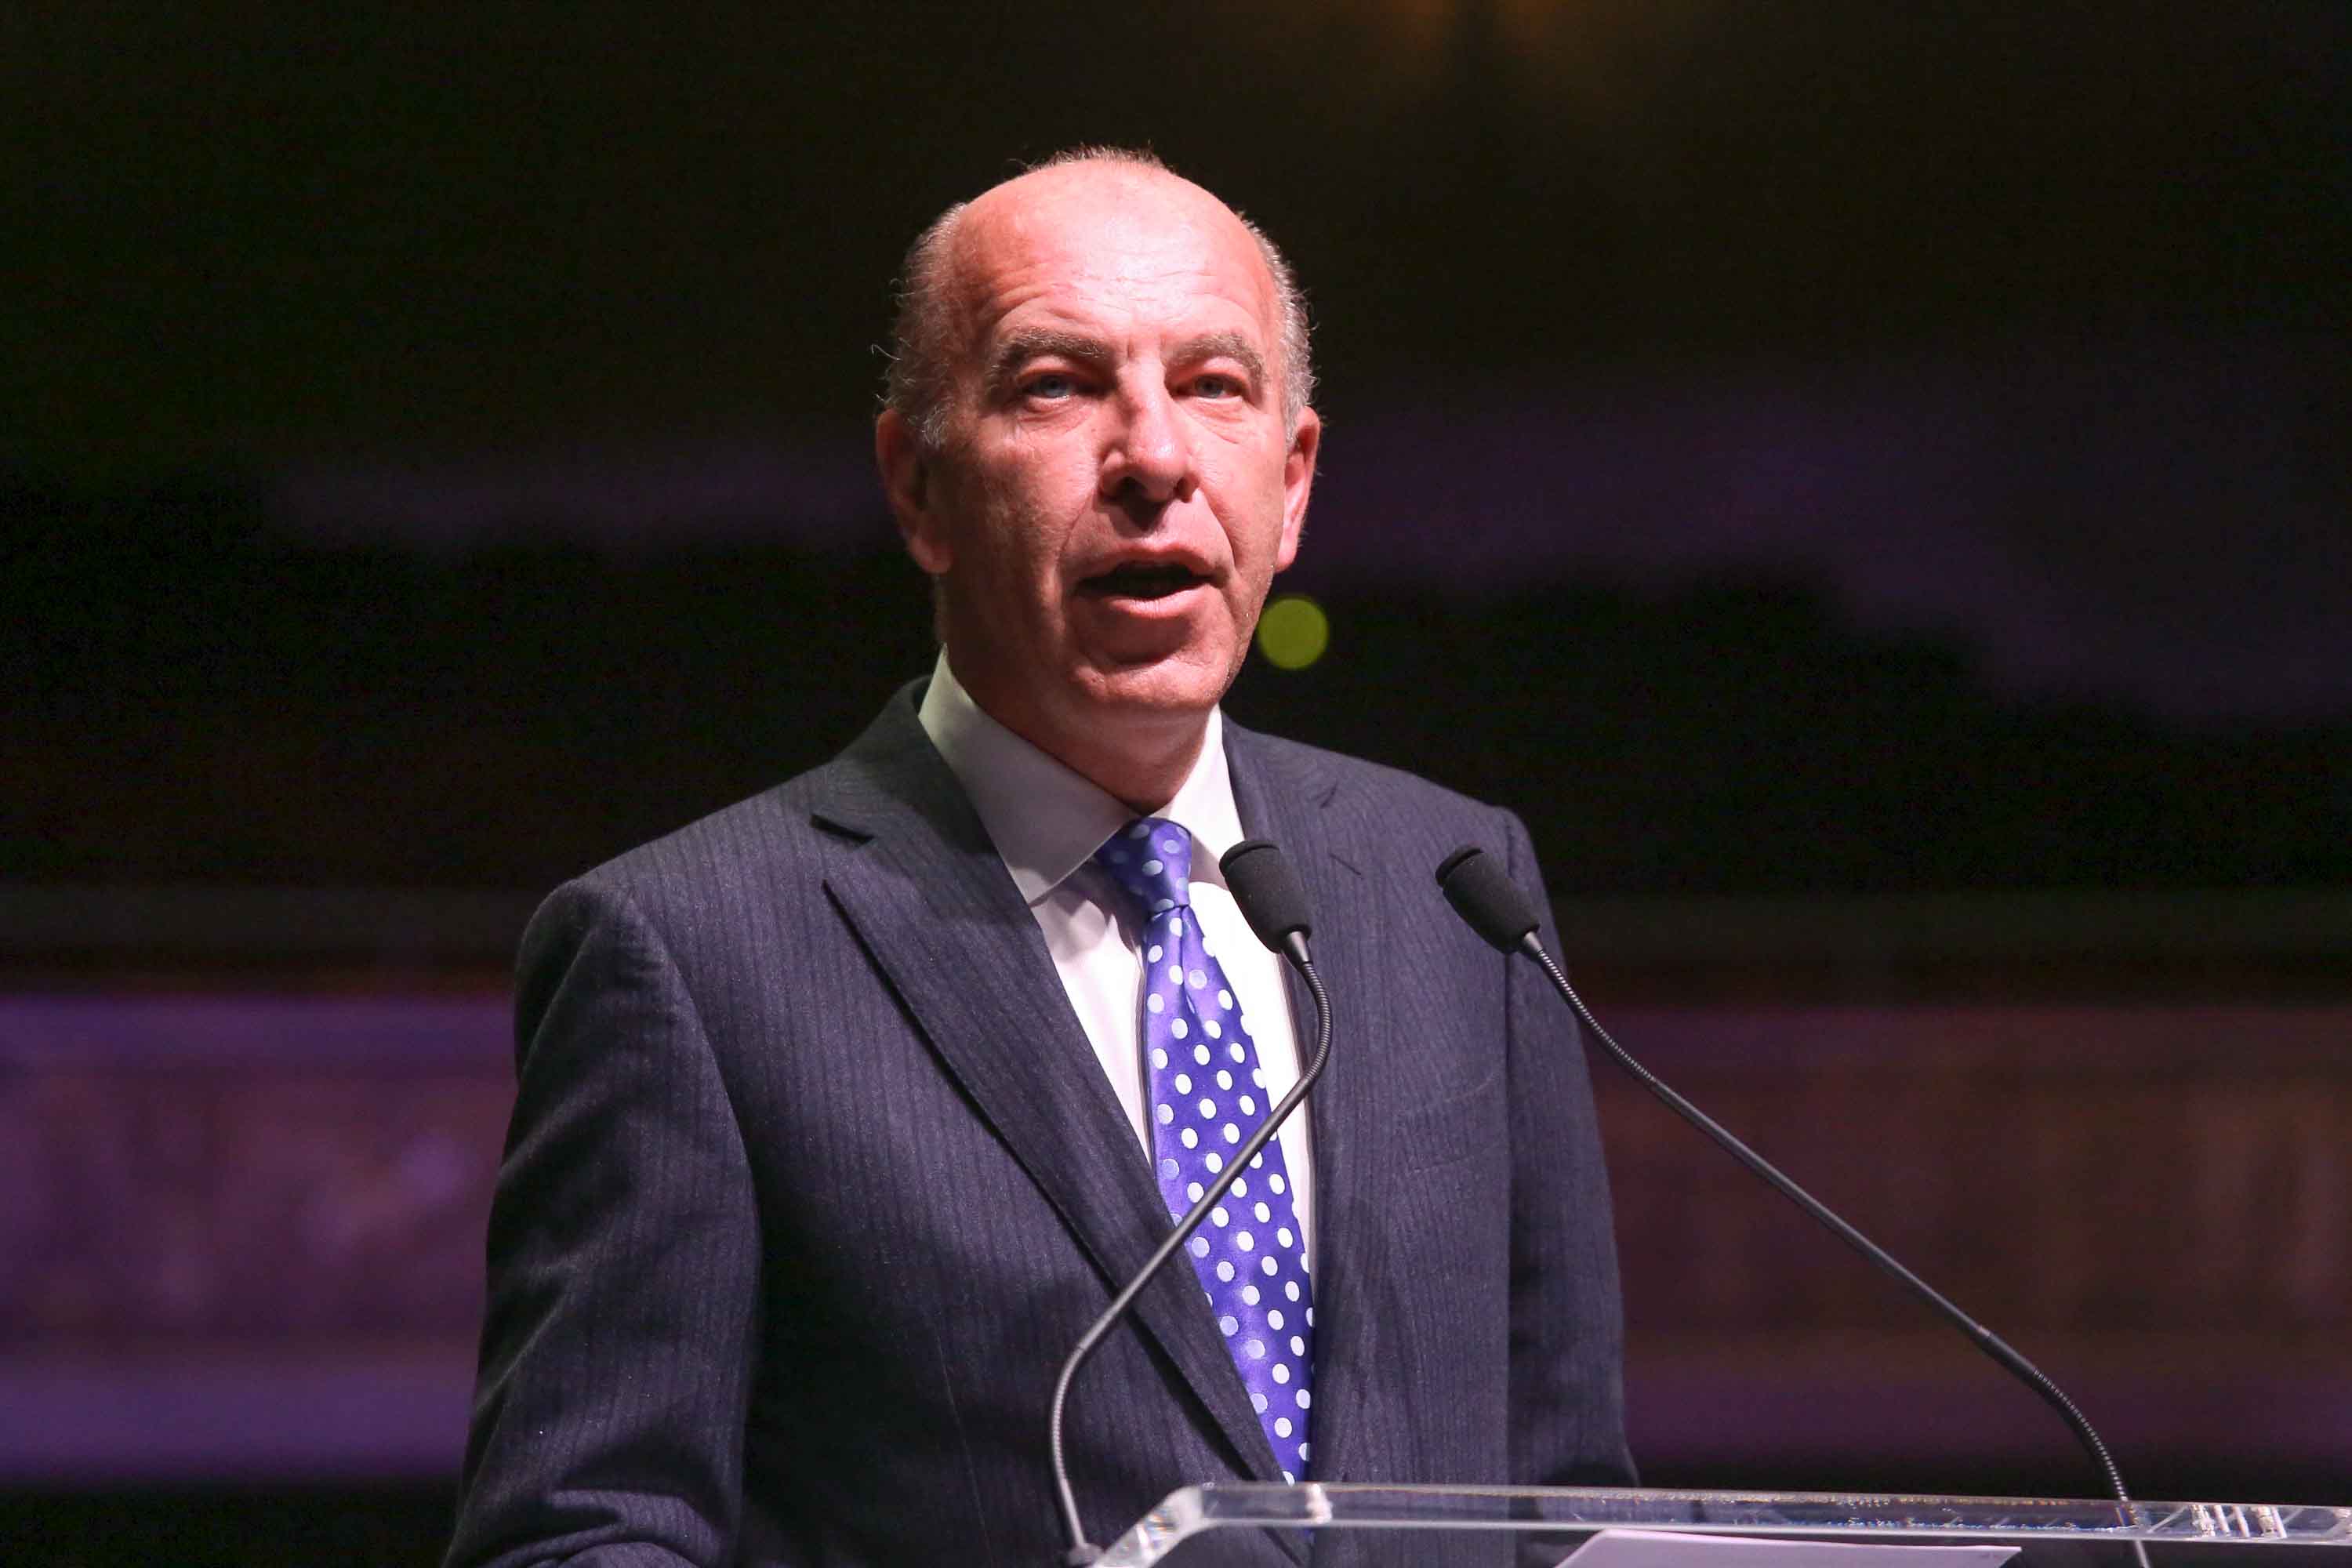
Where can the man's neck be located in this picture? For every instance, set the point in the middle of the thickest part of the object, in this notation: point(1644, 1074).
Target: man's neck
point(1143, 778)
point(1140, 760)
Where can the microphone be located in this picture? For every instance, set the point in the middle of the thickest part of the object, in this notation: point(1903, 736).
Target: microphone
point(1271, 897)
point(1487, 898)
point(1275, 904)
point(1483, 894)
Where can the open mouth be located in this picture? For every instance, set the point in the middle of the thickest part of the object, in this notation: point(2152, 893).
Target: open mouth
point(1138, 580)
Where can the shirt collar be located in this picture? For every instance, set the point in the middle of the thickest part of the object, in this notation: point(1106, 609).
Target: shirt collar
point(1047, 821)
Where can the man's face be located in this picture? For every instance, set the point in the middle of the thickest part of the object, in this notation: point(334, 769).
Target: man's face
point(1115, 491)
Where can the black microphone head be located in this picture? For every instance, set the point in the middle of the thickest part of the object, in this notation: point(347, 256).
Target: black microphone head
point(1483, 893)
point(1268, 891)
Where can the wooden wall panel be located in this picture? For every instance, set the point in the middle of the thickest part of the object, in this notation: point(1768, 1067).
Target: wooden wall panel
point(229, 1220)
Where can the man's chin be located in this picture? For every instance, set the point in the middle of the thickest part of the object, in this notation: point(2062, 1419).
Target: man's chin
point(1170, 686)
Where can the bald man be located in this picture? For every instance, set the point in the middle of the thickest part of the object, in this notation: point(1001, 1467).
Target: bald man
point(842, 1113)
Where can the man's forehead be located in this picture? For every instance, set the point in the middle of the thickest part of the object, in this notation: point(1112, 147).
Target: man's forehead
point(1136, 230)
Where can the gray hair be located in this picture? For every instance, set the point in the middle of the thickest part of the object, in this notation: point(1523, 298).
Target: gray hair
point(920, 352)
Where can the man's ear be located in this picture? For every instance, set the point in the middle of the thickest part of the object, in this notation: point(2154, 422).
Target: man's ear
point(1298, 483)
point(907, 479)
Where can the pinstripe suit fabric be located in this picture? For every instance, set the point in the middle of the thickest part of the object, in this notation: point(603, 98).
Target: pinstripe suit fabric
point(813, 1179)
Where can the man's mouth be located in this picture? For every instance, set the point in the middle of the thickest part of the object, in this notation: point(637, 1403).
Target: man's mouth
point(1140, 580)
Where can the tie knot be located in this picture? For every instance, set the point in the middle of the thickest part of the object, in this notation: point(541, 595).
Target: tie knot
point(1151, 859)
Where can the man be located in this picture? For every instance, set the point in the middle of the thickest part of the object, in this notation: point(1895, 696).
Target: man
point(843, 1111)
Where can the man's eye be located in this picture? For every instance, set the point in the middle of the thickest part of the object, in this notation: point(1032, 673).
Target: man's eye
point(1216, 386)
point(1051, 386)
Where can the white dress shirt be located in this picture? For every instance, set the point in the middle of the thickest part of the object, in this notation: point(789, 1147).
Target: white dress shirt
point(1047, 822)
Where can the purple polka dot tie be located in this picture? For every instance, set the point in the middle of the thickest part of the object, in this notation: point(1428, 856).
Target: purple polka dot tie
point(1208, 1093)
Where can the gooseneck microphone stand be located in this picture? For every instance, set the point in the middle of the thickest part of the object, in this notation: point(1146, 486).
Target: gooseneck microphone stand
point(1275, 904)
point(1483, 894)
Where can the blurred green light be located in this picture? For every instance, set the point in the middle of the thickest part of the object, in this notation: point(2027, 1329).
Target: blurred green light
point(1294, 631)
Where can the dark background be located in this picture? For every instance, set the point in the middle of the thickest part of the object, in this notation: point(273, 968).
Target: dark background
point(1832, 445)
point(1867, 482)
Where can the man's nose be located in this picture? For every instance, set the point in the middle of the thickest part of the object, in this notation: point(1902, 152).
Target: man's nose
point(1147, 458)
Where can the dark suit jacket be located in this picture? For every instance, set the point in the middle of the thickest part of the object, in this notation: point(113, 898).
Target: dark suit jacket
point(814, 1179)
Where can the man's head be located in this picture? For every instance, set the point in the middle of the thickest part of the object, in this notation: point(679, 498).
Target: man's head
point(1097, 442)
point(922, 338)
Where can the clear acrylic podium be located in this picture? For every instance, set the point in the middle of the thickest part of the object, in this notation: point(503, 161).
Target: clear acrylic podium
point(1434, 1524)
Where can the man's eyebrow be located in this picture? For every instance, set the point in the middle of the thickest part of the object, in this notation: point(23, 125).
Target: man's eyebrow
point(1223, 345)
point(1035, 342)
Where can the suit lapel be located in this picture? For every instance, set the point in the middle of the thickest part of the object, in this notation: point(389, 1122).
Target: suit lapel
point(928, 896)
point(1284, 795)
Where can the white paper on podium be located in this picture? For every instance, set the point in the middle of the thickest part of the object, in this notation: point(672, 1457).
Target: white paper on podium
point(1667, 1549)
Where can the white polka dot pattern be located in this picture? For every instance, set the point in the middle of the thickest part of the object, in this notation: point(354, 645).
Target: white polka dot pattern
point(1185, 991)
